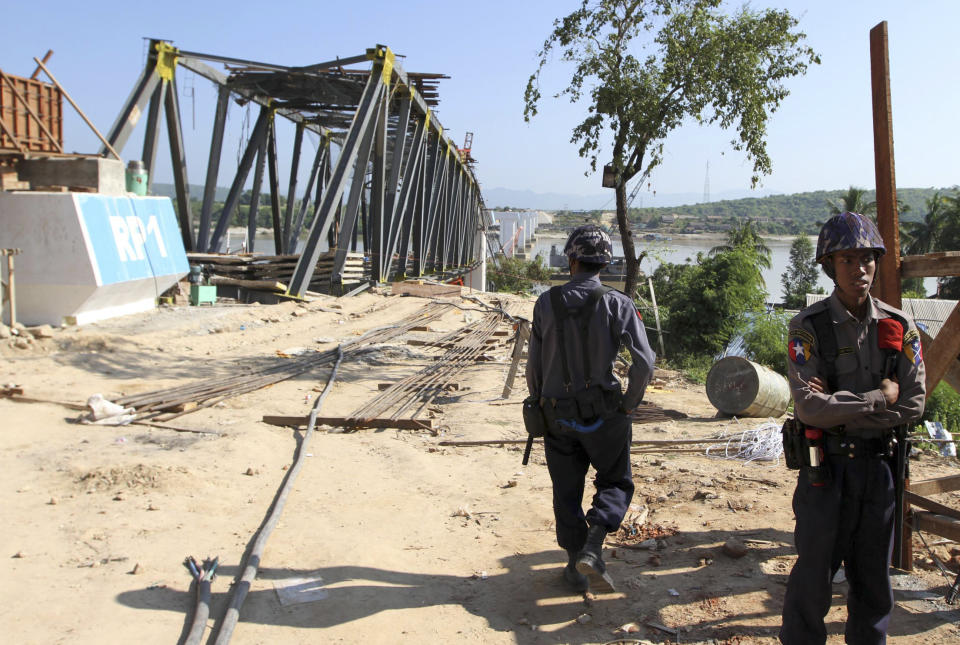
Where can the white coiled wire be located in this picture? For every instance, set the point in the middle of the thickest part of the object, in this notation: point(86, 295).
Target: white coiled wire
point(762, 443)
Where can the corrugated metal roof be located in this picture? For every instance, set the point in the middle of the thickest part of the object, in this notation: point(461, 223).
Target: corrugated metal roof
point(928, 313)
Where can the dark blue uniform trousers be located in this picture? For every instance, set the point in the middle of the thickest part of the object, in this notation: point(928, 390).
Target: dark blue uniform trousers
point(569, 455)
point(849, 520)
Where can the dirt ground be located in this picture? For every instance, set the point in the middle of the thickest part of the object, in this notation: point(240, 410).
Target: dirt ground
point(405, 540)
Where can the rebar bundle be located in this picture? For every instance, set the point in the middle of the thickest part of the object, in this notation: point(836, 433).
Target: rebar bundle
point(421, 388)
point(173, 402)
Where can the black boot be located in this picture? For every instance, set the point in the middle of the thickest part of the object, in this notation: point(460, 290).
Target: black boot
point(576, 580)
point(590, 560)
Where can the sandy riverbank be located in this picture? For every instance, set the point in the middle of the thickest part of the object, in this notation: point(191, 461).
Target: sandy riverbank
point(405, 539)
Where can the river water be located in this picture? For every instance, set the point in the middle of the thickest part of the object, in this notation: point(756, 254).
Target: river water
point(677, 249)
point(684, 248)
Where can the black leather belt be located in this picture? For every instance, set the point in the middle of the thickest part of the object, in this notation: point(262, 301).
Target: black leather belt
point(854, 447)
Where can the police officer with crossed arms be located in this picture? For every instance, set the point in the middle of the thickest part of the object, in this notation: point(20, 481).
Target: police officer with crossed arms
point(856, 372)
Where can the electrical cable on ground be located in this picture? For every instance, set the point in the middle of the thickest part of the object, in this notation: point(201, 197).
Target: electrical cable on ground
point(202, 575)
point(242, 586)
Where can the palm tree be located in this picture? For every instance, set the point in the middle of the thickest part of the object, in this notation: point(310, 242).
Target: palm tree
point(743, 235)
point(854, 201)
point(923, 236)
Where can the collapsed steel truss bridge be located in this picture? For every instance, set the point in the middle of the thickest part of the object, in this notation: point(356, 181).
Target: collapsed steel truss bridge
point(384, 164)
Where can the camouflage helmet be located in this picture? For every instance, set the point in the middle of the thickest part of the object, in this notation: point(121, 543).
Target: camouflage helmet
point(848, 231)
point(589, 243)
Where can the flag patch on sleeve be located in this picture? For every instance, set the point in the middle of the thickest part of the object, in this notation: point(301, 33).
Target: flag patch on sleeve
point(912, 348)
point(799, 344)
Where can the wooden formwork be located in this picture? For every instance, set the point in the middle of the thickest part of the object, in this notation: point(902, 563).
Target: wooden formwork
point(31, 116)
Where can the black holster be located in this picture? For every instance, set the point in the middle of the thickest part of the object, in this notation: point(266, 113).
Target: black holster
point(794, 444)
point(533, 418)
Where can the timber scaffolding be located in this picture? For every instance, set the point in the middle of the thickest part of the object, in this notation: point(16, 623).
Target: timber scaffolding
point(940, 355)
point(384, 172)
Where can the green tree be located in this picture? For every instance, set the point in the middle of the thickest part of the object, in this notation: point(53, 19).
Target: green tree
point(745, 236)
point(943, 405)
point(853, 201)
point(711, 300)
point(697, 63)
point(801, 275)
point(949, 240)
point(516, 274)
point(923, 236)
point(765, 339)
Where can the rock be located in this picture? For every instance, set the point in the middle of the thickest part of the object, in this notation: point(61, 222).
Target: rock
point(584, 619)
point(19, 328)
point(151, 507)
point(628, 628)
point(118, 497)
point(41, 331)
point(19, 554)
point(734, 549)
point(706, 493)
point(654, 560)
point(5, 332)
point(250, 472)
point(21, 343)
point(53, 501)
point(648, 544)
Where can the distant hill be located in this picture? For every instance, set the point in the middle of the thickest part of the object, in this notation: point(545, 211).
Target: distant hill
point(508, 198)
point(799, 208)
point(773, 214)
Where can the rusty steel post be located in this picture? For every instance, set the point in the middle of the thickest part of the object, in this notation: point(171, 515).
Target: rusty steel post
point(887, 218)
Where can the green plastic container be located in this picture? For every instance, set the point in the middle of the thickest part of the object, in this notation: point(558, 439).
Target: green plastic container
point(137, 178)
point(200, 294)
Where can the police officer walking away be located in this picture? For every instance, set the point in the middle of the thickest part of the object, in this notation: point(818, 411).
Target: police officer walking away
point(578, 329)
point(856, 372)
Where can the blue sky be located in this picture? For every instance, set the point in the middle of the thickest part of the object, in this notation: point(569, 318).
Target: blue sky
point(821, 138)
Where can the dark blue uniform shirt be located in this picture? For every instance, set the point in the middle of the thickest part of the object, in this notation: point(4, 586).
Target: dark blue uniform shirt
point(614, 323)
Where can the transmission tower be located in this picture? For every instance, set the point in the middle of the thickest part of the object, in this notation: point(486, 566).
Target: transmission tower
point(706, 185)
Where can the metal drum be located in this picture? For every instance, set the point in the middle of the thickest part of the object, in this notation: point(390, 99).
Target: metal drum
point(739, 387)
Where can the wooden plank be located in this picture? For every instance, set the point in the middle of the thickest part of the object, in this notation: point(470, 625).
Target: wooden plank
point(344, 422)
point(931, 265)
point(928, 504)
point(446, 386)
point(936, 524)
point(927, 487)
point(266, 285)
point(939, 355)
point(952, 375)
point(425, 290)
point(31, 112)
point(419, 342)
point(887, 220)
point(523, 333)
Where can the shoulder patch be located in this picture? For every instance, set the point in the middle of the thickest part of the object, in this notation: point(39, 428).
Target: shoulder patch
point(912, 347)
point(798, 350)
point(802, 334)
